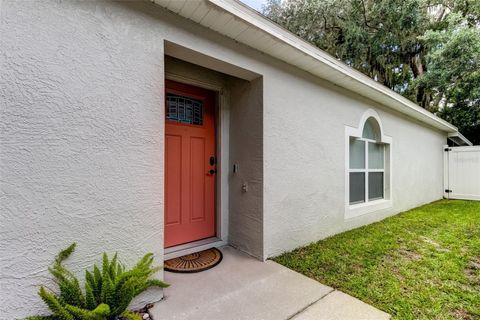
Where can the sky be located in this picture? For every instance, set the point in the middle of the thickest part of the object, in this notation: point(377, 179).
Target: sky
point(255, 4)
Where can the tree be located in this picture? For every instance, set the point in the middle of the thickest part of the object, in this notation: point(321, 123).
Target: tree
point(453, 61)
point(409, 46)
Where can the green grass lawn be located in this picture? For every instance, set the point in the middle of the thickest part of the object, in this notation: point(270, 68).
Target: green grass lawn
point(420, 264)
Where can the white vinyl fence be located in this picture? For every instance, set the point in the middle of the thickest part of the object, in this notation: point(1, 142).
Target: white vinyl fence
point(462, 172)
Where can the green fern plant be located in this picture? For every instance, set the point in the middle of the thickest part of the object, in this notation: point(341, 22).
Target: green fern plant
point(108, 291)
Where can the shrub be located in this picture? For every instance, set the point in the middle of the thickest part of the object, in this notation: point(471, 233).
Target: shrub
point(108, 291)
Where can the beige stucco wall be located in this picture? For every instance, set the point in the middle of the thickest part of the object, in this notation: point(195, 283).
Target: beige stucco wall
point(246, 229)
point(305, 160)
point(81, 125)
point(81, 94)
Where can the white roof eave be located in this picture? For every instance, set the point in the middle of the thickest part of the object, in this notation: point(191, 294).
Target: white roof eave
point(298, 52)
point(459, 139)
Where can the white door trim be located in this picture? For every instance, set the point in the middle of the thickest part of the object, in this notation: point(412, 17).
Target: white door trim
point(222, 153)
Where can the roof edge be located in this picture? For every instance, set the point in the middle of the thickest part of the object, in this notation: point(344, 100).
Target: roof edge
point(459, 138)
point(347, 77)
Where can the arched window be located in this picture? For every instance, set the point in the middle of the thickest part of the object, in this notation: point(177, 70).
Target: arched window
point(368, 163)
point(371, 129)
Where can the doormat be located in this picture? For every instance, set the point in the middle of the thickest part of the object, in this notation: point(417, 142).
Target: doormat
point(194, 262)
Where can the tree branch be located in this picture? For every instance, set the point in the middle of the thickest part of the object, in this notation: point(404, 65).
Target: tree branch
point(365, 16)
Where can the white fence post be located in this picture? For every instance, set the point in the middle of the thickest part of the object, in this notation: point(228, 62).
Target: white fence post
point(445, 171)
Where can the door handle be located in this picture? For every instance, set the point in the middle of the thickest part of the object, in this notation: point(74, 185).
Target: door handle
point(211, 172)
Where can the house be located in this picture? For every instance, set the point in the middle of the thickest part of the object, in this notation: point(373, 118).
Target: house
point(178, 125)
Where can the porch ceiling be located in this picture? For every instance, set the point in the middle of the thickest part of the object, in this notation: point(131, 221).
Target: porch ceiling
point(237, 21)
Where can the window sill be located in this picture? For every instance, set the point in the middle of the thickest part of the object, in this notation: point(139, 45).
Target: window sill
point(356, 210)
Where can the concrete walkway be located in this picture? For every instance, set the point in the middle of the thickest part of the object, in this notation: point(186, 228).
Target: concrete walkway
point(241, 287)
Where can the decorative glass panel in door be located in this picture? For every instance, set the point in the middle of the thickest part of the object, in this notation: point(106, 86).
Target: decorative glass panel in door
point(184, 109)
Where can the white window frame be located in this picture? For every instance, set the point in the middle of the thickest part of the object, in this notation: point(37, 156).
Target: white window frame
point(367, 170)
point(358, 209)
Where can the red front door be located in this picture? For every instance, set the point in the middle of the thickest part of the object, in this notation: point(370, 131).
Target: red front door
point(190, 164)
